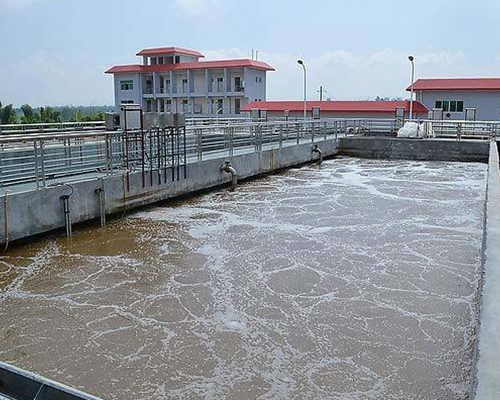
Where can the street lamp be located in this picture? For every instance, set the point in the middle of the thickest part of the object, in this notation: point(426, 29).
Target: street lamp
point(411, 58)
point(305, 88)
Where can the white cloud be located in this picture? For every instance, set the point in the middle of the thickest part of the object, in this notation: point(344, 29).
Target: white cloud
point(44, 78)
point(195, 7)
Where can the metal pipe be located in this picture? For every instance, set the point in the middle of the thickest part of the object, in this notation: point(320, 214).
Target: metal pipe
point(102, 203)
point(316, 149)
point(226, 167)
point(67, 212)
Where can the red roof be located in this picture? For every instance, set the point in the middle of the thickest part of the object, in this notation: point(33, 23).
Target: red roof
point(338, 106)
point(123, 69)
point(169, 50)
point(457, 84)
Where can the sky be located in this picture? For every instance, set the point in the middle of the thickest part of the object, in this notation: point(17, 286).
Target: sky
point(55, 52)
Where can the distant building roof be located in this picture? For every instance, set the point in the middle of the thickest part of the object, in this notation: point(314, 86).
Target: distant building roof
point(123, 69)
point(457, 84)
point(170, 50)
point(337, 106)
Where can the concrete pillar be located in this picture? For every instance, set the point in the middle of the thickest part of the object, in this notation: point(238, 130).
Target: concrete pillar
point(224, 85)
point(154, 84)
point(141, 95)
point(207, 83)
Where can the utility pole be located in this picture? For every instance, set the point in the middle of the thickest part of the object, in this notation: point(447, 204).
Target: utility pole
point(321, 93)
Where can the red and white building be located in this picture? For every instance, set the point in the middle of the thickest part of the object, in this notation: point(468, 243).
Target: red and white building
point(173, 79)
point(455, 96)
point(335, 109)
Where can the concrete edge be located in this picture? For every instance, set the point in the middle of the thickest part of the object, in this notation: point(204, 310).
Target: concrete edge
point(486, 378)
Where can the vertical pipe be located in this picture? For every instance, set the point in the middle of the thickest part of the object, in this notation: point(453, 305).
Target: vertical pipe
point(150, 135)
point(66, 210)
point(143, 152)
point(185, 151)
point(102, 203)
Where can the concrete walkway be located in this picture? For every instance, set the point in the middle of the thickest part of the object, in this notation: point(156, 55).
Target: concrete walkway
point(488, 365)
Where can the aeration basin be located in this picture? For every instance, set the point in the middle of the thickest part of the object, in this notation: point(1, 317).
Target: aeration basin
point(356, 279)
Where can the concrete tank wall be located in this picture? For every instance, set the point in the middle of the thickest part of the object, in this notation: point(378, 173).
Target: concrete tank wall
point(415, 149)
point(35, 212)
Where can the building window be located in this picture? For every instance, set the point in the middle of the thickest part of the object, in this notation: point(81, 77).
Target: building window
point(256, 80)
point(237, 106)
point(177, 59)
point(148, 106)
point(260, 80)
point(127, 102)
point(184, 106)
point(127, 85)
point(162, 106)
point(184, 85)
point(167, 84)
point(450, 105)
point(220, 82)
point(160, 60)
point(238, 87)
point(153, 60)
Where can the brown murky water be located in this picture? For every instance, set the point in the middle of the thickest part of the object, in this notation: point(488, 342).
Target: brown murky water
point(356, 280)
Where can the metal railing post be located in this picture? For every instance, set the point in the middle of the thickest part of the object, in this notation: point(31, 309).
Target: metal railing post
point(42, 162)
point(199, 144)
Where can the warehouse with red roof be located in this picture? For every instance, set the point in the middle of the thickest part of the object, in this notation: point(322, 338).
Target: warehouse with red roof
point(335, 109)
point(460, 98)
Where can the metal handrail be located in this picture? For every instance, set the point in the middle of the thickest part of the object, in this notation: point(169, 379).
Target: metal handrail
point(44, 158)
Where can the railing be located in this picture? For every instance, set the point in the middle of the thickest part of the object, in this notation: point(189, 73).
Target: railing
point(48, 127)
point(461, 129)
point(41, 160)
point(37, 160)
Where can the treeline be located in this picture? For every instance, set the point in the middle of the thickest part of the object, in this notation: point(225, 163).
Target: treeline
point(29, 115)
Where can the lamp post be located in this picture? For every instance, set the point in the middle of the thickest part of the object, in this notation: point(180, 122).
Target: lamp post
point(305, 89)
point(411, 58)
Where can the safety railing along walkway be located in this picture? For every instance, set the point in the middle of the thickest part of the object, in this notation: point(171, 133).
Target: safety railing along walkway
point(39, 160)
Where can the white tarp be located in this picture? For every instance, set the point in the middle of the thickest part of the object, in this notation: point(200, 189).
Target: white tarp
point(411, 130)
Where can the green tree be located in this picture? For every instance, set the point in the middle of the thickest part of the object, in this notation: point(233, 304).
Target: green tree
point(7, 114)
point(48, 114)
point(29, 115)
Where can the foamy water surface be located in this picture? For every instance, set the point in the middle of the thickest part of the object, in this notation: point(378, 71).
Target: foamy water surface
point(354, 280)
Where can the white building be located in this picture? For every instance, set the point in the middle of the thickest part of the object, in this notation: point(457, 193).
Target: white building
point(455, 96)
point(172, 79)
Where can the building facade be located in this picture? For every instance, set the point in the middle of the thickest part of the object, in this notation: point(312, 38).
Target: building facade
point(455, 96)
point(172, 79)
point(337, 109)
